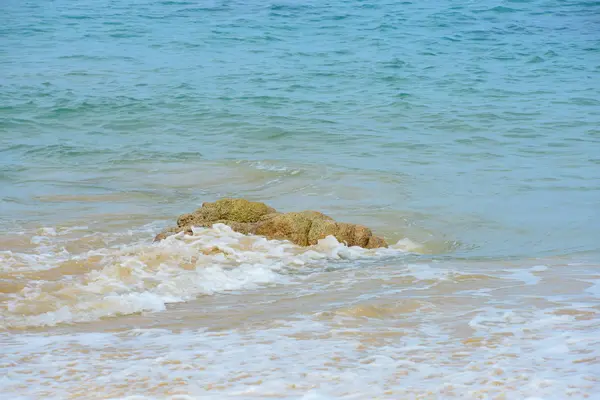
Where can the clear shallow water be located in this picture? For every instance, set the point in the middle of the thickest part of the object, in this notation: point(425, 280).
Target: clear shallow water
point(468, 131)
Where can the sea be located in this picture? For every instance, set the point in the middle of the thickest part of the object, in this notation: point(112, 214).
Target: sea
point(467, 133)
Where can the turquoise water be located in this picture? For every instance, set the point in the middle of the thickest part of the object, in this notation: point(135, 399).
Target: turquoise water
point(468, 132)
point(485, 115)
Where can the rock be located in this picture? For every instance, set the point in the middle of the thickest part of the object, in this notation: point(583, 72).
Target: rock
point(376, 242)
point(303, 228)
point(171, 231)
point(238, 210)
point(294, 226)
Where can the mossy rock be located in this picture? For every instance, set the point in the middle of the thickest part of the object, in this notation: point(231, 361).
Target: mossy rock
point(303, 228)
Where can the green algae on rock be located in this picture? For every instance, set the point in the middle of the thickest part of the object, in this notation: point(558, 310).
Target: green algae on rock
point(303, 228)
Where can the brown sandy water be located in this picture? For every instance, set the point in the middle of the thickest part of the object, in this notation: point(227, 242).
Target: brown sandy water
point(101, 312)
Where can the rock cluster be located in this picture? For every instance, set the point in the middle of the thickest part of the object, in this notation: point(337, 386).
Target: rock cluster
point(303, 228)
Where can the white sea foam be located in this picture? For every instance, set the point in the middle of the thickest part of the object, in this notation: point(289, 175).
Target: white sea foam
point(269, 166)
point(407, 245)
point(442, 329)
point(515, 355)
point(146, 277)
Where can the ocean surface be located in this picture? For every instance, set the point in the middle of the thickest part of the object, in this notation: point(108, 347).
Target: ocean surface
point(465, 133)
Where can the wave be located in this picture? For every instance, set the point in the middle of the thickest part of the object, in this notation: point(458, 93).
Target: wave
point(146, 277)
